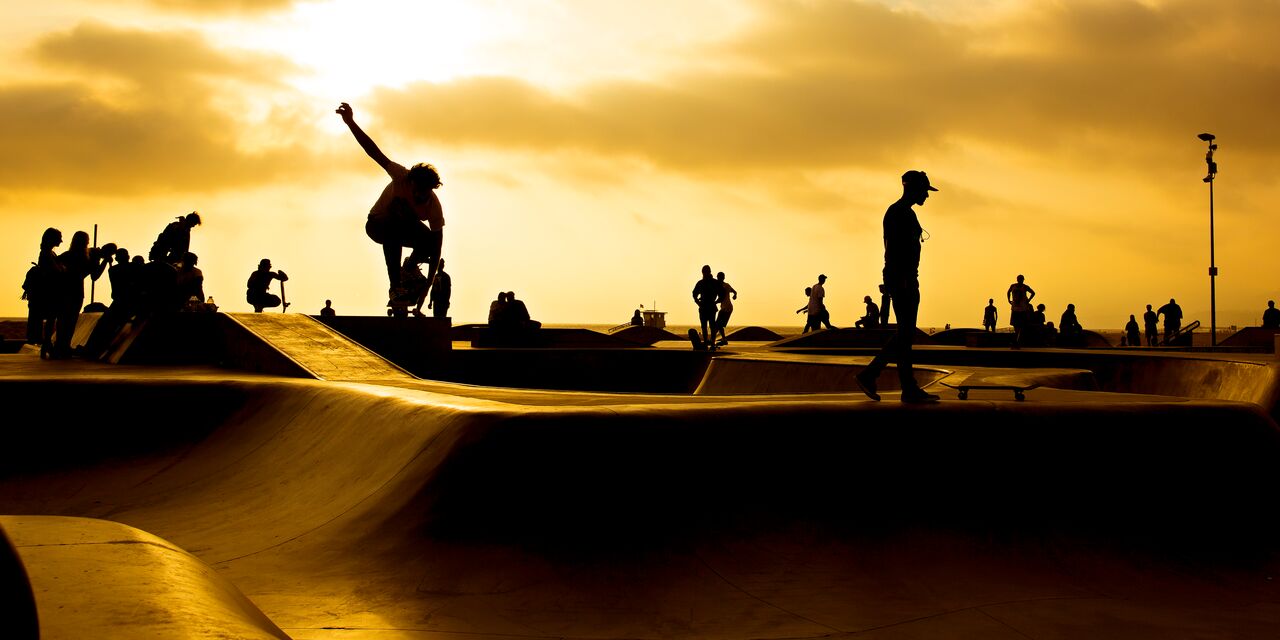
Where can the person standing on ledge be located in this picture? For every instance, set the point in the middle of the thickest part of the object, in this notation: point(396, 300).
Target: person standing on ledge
point(707, 293)
point(396, 219)
point(902, 240)
point(989, 316)
point(1150, 319)
point(441, 291)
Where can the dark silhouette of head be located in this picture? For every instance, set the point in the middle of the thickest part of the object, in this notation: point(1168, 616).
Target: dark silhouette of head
point(264, 265)
point(79, 243)
point(822, 278)
point(1020, 278)
point(1271, 304)
point(1040, 307)
point(328, 303)
point(139, 260)
point(808, 291)
point(121, 255)
point(424, 176)
point(189, 261)
point(1071, 307)
point(511, 295)
point(1148, 307)
point(916, 187)
point(720, 276)
point(1171, 301)
point(1132, 318)
point(866, 299)
point(50, 239)
point(706, 271)
point(991, 300)
point(441, 266)
point(192, 219)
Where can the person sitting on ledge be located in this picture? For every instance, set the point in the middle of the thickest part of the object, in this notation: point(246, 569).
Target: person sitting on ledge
point(1271, 317)
point(328, 310)
point(872, 319)
point(637, 320)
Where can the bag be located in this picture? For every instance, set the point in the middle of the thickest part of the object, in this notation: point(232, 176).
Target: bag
point(32, 283)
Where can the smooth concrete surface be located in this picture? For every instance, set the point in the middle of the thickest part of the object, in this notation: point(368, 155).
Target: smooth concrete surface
point(771, 374)
point(18, 615)
point(412, 508)
point(418, 509)
point(104, 580)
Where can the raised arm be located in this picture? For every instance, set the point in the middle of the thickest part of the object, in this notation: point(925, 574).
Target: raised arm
point(363, 138)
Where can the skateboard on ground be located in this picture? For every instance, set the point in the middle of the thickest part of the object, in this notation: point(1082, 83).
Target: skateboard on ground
point(981, 382)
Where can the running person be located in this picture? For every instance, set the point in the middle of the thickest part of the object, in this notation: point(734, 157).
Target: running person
point(396, 219)
point(726, 308)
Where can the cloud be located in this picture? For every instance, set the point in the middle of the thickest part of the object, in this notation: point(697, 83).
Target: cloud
point(138, 116)
point(853, 84)
point(218, 6)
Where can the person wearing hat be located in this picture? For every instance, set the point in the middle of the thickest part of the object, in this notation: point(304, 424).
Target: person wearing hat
point(902, 239)
point(257, 294)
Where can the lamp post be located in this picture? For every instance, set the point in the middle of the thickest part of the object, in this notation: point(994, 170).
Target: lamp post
point(1213, 268)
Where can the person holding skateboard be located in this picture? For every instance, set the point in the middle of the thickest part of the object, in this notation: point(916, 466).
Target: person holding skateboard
point(257, 294)
point(397, 219)
point(902, 239)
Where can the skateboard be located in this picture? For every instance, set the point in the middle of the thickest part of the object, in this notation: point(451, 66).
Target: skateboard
point(977, 382)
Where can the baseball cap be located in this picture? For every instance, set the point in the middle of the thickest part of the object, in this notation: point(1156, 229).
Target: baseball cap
point(915, 178)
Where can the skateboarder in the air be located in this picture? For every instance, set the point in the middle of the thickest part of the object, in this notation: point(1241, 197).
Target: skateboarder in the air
point(396, 219)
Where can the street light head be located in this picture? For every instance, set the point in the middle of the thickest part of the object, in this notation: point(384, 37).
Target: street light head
point(1207, 137)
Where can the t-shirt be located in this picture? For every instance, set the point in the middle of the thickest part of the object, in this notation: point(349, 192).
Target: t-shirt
point(1271, 318)
point(726, 302)
point(707, 292)
point(442, 288)
point(399, 188)
point(989, 314)
point(815, 299)
point(1149, 318)
point(259, 281)
point(901, 240)
point(1172, 313)
point(1020, 300)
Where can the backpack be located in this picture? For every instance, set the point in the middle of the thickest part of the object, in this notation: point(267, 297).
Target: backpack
point(32, 283)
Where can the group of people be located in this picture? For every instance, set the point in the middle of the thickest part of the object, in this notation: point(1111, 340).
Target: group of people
point(714, 298)
point(54, 286)
point(509, 315)
point(1030, 326)
point(1151, 319)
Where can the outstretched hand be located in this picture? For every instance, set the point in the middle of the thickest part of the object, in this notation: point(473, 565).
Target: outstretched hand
point(345, 111)
point(282, 276)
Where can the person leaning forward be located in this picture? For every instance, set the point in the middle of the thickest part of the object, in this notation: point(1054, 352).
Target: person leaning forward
point(902, 240)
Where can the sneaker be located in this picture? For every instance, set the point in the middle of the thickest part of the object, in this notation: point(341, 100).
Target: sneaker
point(918, 396)
point(867, 384)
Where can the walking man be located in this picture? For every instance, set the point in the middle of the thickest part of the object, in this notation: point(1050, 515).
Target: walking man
point(989, 316)
point(707, 293)
point(902, 240)
point(1150, 320)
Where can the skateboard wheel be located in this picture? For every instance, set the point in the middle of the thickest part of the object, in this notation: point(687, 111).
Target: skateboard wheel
point(964, 394)
point(1020, 396)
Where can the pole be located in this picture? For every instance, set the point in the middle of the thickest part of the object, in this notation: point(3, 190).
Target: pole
point(1213, 274)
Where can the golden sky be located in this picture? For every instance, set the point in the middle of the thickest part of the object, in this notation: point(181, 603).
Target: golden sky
point(596, 153)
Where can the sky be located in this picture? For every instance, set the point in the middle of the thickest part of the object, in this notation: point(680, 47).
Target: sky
point(596, 153)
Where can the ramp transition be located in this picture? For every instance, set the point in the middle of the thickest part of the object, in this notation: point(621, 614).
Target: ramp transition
point(316, 349)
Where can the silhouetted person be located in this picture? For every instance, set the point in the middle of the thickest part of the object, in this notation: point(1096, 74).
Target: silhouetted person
point(902, 240)
point(256, 293)
point(1069, 329)
point(819, 295)
point(1020, 296)
point(811, 319)
point(328, 310)
point(396, 219)
point(637, 320)
point(175, 241)
point(885, 301)
point(706, 294)
point(498, 309)
point(1132, 332)
point(1050, 337)
point(125, 276)
point(1172, 320)
point(415, 286)
point(1033, 333)
point(727, 296)
point(1150, 320)
point(441, 292)
point(190, 281)
point(871, 319)
point(518, 314)
point(1271, 317)
point(41, 292)
point(989, 316)
point(78, 262)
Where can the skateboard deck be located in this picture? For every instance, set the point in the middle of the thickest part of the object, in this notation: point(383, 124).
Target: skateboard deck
point(977, 382)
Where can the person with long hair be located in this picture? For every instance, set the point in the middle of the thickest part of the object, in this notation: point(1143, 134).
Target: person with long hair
point(78, 262)
point(41, 310)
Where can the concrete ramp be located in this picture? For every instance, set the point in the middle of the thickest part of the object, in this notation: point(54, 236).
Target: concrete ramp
point(315, 348)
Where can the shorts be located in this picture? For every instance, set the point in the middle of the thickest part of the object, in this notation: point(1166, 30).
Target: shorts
point(722, 319)
point(1019, 318)
point(707, 314)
